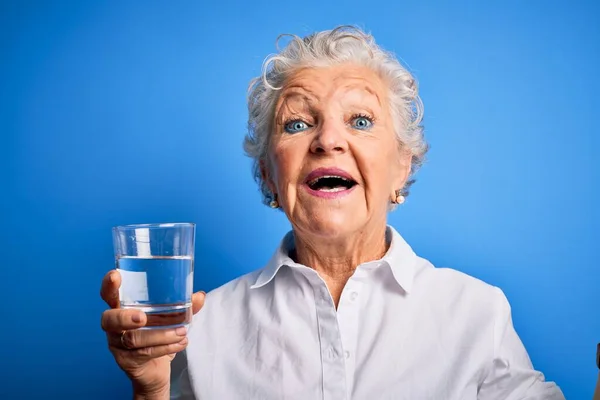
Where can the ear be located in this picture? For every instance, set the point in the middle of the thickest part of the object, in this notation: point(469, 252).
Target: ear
point(401, 171)
point(265, 174)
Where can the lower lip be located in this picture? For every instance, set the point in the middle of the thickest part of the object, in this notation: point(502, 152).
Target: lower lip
point(329, 195)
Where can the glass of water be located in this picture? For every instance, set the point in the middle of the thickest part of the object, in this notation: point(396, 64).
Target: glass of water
point(156, 263)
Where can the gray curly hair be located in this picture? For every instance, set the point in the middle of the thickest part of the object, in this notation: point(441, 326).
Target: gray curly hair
point(344, 44)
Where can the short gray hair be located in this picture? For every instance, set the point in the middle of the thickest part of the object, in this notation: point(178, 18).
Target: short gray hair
point(344, 44)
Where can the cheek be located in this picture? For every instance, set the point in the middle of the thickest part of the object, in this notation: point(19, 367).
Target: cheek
point(375, 166)
point(285, 165)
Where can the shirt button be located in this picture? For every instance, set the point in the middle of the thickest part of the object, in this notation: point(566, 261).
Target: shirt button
point(347, 354)
point(353, 296)
point(332, 353)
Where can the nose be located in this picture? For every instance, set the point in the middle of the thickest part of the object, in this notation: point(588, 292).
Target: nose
point(329, 138)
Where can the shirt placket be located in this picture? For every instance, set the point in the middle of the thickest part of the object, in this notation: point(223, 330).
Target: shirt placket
point(332, 352)
point(348, 314)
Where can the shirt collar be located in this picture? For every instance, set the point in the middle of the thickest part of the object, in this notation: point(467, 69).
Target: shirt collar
point(400, 258)
point(279, 259)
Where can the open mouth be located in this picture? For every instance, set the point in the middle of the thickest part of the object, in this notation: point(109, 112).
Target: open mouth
point(331, 183)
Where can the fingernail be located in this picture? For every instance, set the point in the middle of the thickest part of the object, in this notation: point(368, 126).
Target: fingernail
point(184, 341)
point(181, 331)
point(136, 317)
point(111, 278)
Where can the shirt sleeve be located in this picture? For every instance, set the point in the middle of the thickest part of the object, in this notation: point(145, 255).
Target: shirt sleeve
point(511, 375)
point(181, 389)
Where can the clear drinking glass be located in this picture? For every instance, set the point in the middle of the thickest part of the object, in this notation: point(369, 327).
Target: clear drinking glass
point(156, 262)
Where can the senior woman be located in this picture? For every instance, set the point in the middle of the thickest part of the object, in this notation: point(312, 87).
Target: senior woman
point(344, 309)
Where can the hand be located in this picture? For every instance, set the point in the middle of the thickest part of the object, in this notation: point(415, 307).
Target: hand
point(144, 355)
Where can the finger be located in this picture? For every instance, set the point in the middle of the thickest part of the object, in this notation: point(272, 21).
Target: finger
point(119, 320)
point(197, 301)
point(110, 288)
point(151, 352)
point(135, 339)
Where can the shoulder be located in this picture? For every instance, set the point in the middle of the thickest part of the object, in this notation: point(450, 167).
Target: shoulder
point(236, 288)
point(233, 292)
point(421, 278)
point(228, 302)
point(459, 293)
point(449, 281)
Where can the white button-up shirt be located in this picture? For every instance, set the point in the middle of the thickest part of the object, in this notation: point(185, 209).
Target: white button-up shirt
point(403, 329)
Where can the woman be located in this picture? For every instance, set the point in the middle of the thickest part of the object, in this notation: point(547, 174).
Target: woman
point(344, 308)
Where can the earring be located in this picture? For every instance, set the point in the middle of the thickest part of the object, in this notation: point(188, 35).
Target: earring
point(399, 198)
point(274, 203)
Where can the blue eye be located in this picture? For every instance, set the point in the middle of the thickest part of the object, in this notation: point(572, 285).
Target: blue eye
point(296, 126)
point(362, 122)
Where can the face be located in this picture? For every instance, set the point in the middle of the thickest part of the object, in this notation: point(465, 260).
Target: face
point(334, 160)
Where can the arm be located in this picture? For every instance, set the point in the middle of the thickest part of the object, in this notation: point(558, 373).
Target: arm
point(160, 395)
point(511, 375)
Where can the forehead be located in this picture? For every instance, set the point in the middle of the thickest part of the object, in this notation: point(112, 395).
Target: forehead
point(348, 82)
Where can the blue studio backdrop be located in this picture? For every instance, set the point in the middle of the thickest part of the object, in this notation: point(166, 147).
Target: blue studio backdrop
point(130, 112)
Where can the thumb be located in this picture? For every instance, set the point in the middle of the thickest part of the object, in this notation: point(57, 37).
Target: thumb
point(110, 288)
point(197, 301)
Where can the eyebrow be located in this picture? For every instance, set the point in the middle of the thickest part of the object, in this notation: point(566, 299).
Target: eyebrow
point(298, 91)
point(306, 101)
point(365, 87)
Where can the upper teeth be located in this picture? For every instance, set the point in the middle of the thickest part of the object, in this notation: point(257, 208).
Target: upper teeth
point(328, 176)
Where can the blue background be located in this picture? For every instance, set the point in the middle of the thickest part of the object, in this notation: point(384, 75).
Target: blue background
point(125, 112)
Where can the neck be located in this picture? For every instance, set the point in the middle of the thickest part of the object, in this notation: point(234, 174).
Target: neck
point(335, 259)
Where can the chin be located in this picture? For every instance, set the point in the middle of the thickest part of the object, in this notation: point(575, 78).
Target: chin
point(332, 224)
